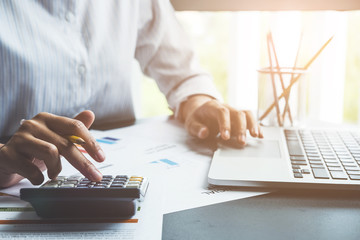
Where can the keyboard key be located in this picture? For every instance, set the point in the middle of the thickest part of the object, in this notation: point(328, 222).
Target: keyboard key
point(333, 164)
point(354, 177)
point(295, 148)
point(317, 166)
point(338, 175)
point(296, 171)
point(320, 173)
point(351, 168)
point(299, 163)
point(295, 166)
point(335, 168)
point(298, 158)
point(305, 171)
point(298, 175)
point(353, 172)
point(331, 161)
point(315, 162)
point(311, 153)
point(326, 152)
point(349, 164)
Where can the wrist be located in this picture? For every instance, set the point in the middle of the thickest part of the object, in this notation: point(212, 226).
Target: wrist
point(191, 104)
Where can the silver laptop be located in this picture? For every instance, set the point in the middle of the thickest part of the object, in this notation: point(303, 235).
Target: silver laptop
point(291, 158)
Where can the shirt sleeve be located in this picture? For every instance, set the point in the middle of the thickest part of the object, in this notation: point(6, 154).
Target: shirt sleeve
point(165, 54)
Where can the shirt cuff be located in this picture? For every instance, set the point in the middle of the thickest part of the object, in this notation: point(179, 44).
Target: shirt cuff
point(192, 86)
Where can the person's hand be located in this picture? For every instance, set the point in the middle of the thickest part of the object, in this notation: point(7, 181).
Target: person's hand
point(206, 117)
point(38, 144)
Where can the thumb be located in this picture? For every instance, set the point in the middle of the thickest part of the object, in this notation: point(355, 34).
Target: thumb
point(197, 129)
point(87, 117)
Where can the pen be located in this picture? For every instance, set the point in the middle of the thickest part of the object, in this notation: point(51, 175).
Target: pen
point(76, 139)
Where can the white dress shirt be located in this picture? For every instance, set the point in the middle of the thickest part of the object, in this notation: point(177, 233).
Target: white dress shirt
point(63, 57)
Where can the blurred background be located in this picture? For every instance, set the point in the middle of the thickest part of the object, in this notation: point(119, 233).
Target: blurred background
point(231, 45)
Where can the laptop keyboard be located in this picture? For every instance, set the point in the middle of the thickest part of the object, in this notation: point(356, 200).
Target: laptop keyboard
point(324, 154)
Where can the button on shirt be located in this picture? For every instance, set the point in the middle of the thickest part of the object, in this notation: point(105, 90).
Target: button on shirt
point(63, 57)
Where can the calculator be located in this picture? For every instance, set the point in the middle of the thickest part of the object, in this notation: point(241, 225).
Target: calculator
point(78, 197)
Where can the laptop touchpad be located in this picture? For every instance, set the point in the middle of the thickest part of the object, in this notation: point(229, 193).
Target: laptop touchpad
point(255, 148)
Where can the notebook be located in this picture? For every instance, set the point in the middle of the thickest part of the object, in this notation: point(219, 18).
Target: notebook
point(291, 158)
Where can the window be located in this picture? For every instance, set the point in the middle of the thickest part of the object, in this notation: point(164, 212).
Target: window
point(232, 47)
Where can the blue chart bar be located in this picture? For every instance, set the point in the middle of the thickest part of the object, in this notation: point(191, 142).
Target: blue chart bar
point(111, 138)
point(167, 161)
point(105, 141)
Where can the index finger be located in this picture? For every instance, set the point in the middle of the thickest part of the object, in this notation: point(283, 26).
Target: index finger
point(66, 126)
point(221, 115)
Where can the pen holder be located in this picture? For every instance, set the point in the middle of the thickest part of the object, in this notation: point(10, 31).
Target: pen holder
point(289, 85)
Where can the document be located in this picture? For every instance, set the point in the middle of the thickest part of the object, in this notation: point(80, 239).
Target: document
point(175, 163)
point(165, 152)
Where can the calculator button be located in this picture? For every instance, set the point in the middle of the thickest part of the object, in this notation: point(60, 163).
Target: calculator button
point(117, 185)
point(107, 177)
point(50, 186)
point(54, 182)
point(85, 182)
point(136, 179)
point(122, 176)
point(101, 184)
point(70, 182)
point(74, 178)
point(67, 186)
point(60, 178)
point(120, 180)
point(82, 184)
point(99, 187)
point(134, 182)
point(133, 186)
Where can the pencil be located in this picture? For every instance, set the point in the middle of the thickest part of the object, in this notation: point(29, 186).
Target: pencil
point(276, 102)
point(76, 139)
point(295, 79)
point(281, 80)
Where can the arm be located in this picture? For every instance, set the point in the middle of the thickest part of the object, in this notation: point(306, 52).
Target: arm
point(166, 55)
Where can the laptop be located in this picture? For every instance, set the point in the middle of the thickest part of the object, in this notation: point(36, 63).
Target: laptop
point(291, 158)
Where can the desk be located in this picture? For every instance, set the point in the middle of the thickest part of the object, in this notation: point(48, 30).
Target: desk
point(193, 215)
point(279, 215)
point(285, 214)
